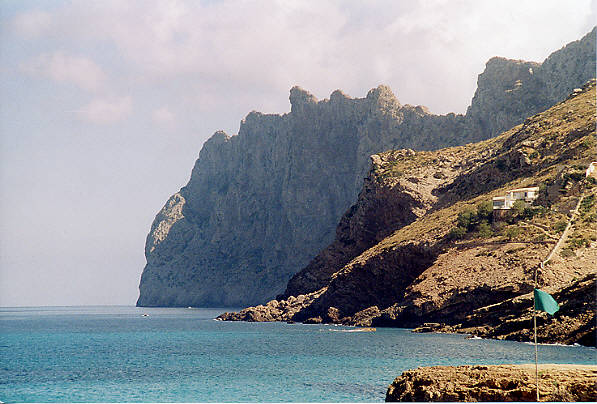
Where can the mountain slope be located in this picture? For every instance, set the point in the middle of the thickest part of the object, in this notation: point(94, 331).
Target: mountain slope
point(261, 204)
point(454, 263)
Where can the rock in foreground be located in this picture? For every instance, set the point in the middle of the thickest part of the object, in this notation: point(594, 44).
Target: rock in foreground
point(495, 383)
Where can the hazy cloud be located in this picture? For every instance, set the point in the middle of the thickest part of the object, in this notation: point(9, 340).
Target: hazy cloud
point(106, 111)
point(162, 116)
point(230, 48)
point(62, 67)
point(146, 65)
point(33, 23)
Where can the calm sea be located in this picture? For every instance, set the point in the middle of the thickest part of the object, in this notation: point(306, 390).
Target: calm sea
point(111, 354)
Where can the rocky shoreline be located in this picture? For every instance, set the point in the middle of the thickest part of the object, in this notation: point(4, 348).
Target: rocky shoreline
point(495, 383)
point(396, 263)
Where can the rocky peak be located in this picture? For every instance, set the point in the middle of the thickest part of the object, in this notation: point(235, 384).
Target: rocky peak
point(383, 97)
point(219, 137)
point(338, 96)
point(509, 90)
point(300, 98)
point(261, 204)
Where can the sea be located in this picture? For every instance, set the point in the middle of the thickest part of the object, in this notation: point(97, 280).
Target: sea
point(129, 354)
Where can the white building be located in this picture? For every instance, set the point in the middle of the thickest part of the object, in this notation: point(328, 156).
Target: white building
point(591, 170)
point(527, 195)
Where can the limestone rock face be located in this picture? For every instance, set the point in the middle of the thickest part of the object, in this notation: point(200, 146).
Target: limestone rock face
point(397, 262)
point(508, 91)
point(260, 205)
point(495, 383)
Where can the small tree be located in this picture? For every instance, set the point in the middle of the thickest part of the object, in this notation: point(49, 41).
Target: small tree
point(485, 229)
point(457, 233)
point(485, 211)
point(467, 219)
point(518, 208)
point(512, 232)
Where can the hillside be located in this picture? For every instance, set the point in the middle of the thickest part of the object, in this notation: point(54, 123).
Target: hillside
point(260, 205)
point(421, 244)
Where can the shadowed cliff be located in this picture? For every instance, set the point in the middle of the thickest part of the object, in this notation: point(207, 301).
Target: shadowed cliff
point(458, 265)
point(260, 205)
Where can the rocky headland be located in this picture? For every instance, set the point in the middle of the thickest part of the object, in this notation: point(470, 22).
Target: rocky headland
point(422, 244)
point(495, 383)
point(260, 205)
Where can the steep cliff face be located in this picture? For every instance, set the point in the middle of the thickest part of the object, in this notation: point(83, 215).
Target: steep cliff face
point(449, 259)
point(508, 91)
point(261, 204)
point(384, 205)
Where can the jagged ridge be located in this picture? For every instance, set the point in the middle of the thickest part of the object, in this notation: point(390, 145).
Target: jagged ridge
point(261, 204)
point(418, 273)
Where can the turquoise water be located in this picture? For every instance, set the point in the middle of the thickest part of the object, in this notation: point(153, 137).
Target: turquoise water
point(112, 354)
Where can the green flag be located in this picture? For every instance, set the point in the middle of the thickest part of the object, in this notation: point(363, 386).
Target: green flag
point(544, 301)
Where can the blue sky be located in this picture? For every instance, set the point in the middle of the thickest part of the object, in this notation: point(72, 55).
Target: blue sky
point(104, 105)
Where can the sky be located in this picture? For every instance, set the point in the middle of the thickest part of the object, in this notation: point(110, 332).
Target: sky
point(104, 105)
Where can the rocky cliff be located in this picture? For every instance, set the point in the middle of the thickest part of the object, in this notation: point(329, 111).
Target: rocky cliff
point(261, 204)
point(495, 383)
point(422, 243)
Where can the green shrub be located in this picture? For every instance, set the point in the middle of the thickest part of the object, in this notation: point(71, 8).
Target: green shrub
point(467, 219)
point(485, 230)
point(567, 252)
point(560, 225)
point(457, 233)
point(528, 212)
point(518, 208)
point(576, 176)
point(512, 232)
point(579, 242)
point(543, 188)
point(587, 203)
point(485, 211)
point(498, 227)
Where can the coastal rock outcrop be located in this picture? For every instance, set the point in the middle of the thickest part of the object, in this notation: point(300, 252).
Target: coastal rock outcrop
point(511, 319)
point(452, 260)
point(495, 383)
point(260, 205)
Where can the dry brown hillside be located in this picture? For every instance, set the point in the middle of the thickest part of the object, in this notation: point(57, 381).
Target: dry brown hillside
point(422, 244)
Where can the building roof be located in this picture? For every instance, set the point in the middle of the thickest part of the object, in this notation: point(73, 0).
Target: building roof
point(524, 189)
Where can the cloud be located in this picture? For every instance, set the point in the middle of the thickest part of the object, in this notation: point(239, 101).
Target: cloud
point(32, 24)
point(106, 111)
point(429, 52)
point(62, 67)
point(162, 116)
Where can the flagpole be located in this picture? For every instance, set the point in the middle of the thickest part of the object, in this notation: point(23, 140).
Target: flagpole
point(535, 329)
point(536, 355)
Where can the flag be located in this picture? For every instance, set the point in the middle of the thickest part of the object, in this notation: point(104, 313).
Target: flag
point(544, 302)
